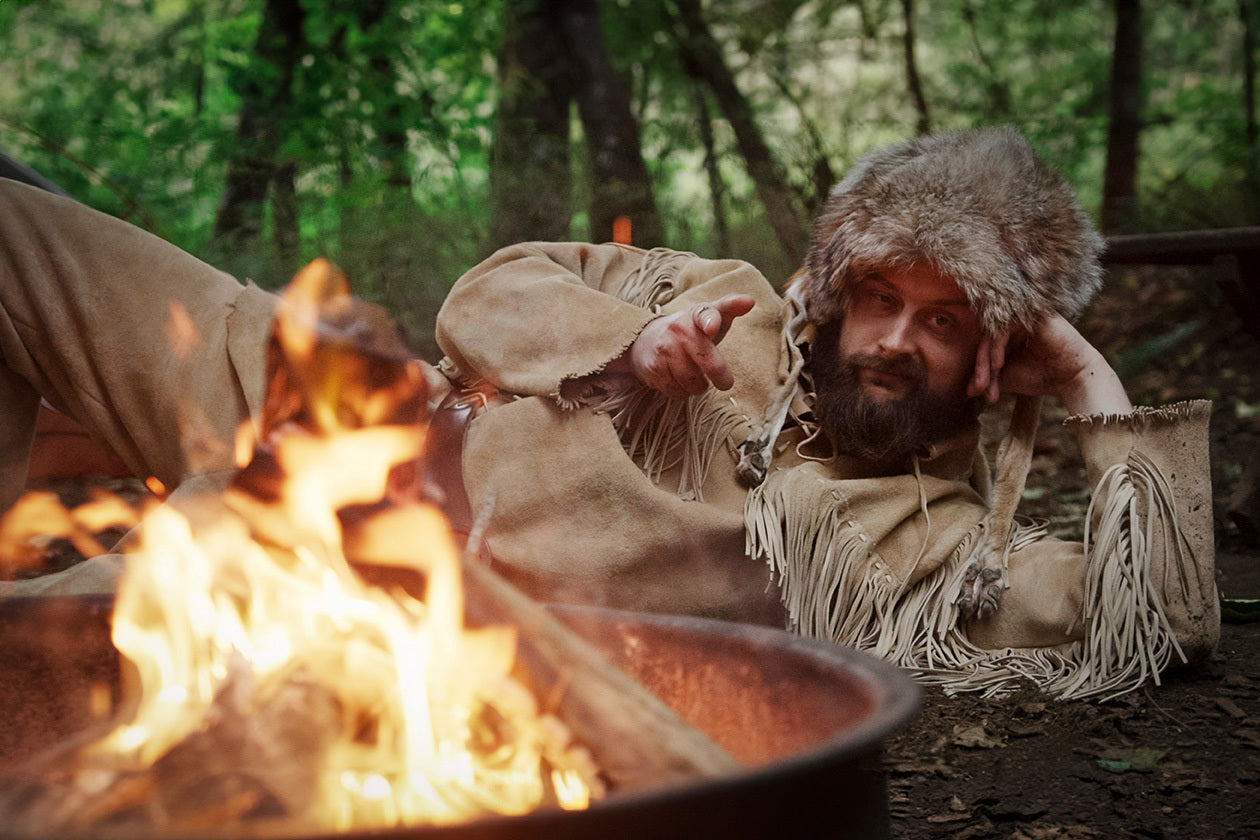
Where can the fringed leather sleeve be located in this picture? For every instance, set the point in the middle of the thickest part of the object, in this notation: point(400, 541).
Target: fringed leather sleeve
point(1142, 581)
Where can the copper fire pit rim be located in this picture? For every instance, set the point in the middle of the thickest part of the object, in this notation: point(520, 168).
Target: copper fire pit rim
point(897, 697)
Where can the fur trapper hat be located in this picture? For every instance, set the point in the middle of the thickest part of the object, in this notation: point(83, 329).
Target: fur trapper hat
point(980, 207)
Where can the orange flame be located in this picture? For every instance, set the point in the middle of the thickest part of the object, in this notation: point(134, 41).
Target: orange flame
point(621, 230)
point(242, 602)
point(40, 513)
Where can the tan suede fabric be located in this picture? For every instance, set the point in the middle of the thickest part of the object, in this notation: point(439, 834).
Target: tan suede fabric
point(602, 492)
point(85, 301)
point(577, 519)
point(1176, 441)
point(605, 536)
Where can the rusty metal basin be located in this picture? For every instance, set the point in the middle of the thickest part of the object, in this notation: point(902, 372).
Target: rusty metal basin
point(807, 719)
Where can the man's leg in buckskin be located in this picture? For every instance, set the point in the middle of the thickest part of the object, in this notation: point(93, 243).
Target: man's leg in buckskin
point(85, 309)
point(19, 404)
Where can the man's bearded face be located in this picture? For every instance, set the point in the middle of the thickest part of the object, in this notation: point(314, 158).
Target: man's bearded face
point(891, 377)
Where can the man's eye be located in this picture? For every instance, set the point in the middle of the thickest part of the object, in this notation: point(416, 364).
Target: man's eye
point(941, 323)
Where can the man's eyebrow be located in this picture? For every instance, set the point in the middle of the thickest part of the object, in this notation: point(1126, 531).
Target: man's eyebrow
point(879, 279)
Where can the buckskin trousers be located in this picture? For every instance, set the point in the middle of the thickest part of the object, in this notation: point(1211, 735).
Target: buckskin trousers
point(86, 323)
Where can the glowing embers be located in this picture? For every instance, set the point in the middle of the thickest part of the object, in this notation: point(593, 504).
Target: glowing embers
point(265, 679)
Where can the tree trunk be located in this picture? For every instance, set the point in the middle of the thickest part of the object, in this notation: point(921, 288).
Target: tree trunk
point(923, 124)
point(284, 219)
point(822, 176)
point(1119, 202)
point(529, 159)
point(620, 185)
point(266, 96)
point(200, 60)
point(702, 59)
point(347, 228)
point(1249, 87)
point(390, 125)
point(717, 187)
point(999, 93)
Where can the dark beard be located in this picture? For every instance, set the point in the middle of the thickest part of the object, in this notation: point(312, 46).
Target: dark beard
point(887, 432)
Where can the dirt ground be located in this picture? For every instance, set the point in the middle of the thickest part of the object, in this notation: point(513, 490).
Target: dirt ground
point(1177, 760)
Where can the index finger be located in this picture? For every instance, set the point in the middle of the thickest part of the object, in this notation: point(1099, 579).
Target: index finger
point(712, 365)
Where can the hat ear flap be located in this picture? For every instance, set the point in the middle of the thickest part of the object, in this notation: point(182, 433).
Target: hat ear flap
point(829, 265)
point(823, 289)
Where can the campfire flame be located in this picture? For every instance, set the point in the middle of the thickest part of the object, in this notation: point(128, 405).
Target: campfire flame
point(256, 652)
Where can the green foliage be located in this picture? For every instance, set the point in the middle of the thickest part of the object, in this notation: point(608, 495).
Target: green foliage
point(133, 106)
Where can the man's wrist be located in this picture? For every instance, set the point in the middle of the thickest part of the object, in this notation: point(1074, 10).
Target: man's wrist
point(1096, 389)
point(620, 364)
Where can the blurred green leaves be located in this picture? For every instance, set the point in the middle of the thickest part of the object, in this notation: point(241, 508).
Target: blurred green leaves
point(133, 106)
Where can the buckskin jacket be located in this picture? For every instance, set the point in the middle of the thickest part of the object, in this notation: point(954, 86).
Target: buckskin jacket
point(602, 491)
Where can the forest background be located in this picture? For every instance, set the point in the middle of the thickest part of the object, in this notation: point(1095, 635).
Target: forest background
point(406, 139)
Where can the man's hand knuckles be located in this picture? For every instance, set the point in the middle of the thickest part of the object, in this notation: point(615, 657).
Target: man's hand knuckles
point(681, 327)
point(655, 368)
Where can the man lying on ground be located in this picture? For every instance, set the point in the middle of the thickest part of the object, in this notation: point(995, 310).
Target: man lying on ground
point(663, 432)
point(668, 433)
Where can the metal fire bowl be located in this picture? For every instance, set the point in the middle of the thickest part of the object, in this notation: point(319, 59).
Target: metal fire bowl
point(807, 719)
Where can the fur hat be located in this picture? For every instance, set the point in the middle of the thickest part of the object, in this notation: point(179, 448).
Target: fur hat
point(979, 206)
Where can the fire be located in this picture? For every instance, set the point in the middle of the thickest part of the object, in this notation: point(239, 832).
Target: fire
point(256, 653)
point(40, 513)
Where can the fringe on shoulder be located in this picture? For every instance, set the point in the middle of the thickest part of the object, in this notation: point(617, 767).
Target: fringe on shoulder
point(661, 434)
point(836, 587)
point(650, 287)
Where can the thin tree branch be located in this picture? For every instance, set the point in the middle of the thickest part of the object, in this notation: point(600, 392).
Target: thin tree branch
point(130, 202)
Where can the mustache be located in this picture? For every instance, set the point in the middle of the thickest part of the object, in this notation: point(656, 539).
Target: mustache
point(907, 367)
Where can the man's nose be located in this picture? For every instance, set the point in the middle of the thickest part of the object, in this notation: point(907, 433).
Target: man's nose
point(899, 338)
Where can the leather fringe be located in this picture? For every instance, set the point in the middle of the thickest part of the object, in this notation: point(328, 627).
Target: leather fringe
point(835, 587)
point(661, 434)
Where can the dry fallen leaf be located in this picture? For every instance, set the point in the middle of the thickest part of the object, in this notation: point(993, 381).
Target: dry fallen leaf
point(1141, 759)
point(948, 817)
point(1229, 707)
point(976, 737)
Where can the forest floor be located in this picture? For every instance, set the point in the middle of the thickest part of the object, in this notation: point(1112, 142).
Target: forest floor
point(1177, 760)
